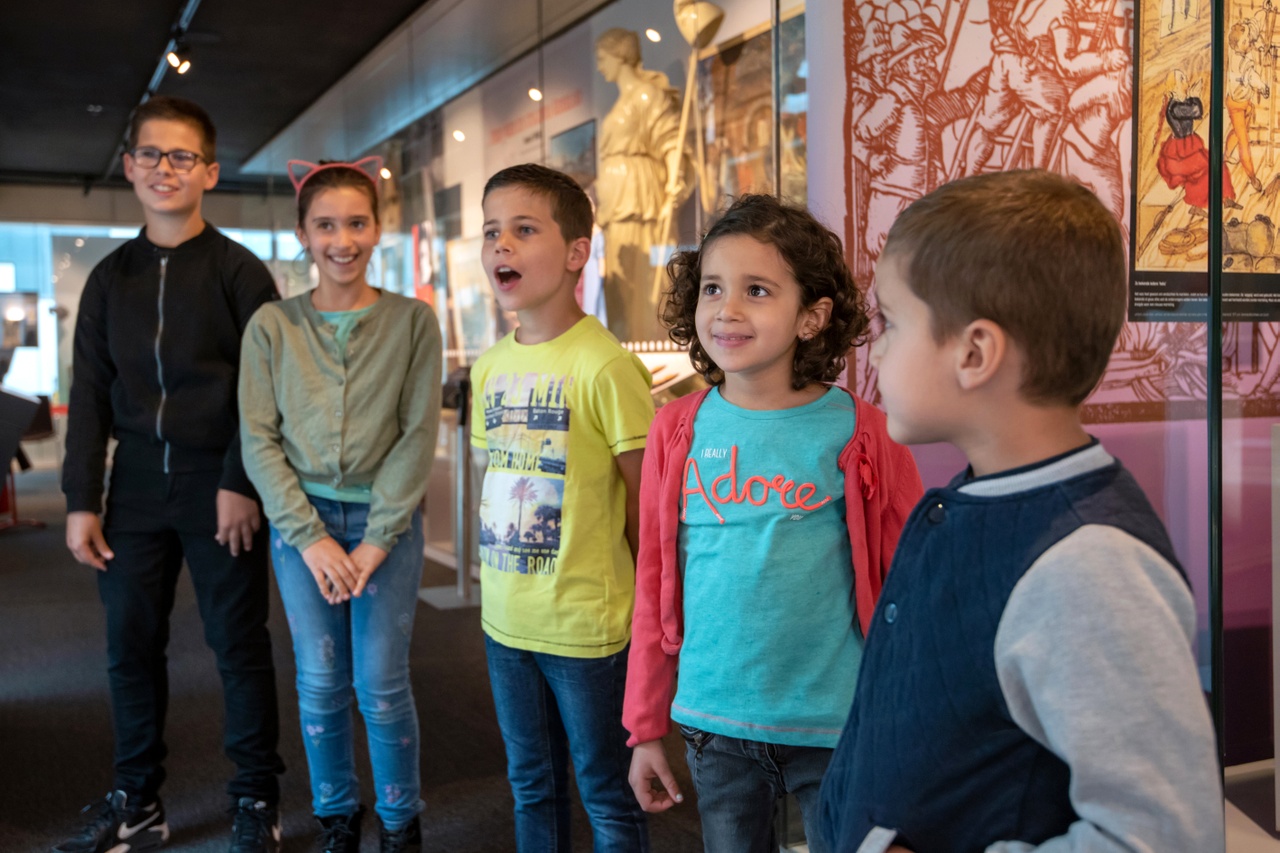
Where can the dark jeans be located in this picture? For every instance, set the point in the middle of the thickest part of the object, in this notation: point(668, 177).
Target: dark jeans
point(154, 521)
point(739, 783)
point(550, 708)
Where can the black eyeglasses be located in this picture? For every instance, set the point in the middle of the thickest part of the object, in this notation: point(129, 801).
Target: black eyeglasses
point(181, 161)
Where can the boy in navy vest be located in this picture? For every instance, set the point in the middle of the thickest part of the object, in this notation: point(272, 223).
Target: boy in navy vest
point(1028, 681)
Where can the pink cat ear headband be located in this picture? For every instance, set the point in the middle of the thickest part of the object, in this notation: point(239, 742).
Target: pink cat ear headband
point(368, 166)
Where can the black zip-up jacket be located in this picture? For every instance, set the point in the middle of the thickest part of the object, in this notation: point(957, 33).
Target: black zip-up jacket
point(157, 355)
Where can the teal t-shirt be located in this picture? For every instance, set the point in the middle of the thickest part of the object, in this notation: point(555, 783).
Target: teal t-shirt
point(770, 649)
point(343, 322)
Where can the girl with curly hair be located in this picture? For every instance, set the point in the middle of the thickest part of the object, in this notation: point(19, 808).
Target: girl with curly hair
point(770, 508)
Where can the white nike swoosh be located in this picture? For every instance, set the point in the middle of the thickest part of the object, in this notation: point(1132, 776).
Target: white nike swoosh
point(125, 832)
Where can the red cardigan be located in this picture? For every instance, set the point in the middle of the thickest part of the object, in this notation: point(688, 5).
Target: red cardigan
point(879, 496)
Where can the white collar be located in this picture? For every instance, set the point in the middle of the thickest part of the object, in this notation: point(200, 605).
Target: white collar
point(1082, 461)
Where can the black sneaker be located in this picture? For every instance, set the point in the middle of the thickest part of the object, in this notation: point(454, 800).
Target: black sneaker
point(116, 825)
point(256, 828)
point(339, 833)
point(406, 839)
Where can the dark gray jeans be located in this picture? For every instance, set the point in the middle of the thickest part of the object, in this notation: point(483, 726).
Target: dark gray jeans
point(739, 783)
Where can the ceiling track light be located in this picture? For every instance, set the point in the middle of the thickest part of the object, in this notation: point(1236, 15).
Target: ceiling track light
point(179, 56)
point(177, 39)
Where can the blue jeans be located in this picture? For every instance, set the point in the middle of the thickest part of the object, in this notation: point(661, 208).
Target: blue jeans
point(361, 643)
point(550, 708)
point(739, 782)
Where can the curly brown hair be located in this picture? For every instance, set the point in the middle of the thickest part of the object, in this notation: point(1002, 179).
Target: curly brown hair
point(815, 257)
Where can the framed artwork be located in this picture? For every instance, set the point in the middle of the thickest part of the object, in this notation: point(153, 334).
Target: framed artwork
point(574, 152)
point(735, 80)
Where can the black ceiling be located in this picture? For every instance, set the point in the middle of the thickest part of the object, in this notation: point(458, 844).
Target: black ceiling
point(255, 67)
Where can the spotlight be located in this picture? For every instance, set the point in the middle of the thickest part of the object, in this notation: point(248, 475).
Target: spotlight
point(179, 58)
point(653, 35)
point(15, 314)
point(385, 173)
point(460, 136)
point(535, 94)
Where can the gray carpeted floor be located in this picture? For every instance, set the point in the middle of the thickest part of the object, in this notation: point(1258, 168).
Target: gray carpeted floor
point(55, 736)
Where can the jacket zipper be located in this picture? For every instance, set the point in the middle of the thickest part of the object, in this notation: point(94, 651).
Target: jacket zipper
point(164, 265)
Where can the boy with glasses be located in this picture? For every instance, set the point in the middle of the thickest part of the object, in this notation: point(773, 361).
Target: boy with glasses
point(157, 350)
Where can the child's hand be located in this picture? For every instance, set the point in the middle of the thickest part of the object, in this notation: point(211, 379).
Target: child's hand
point(650, 777)
point(85, 540)
point(367, 559)
point(238, 520)
point(333, 569)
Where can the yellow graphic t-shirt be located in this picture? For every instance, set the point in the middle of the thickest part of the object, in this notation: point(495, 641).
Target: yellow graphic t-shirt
point(556, 571)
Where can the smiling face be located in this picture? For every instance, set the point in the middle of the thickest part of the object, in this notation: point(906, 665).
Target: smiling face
point(341, 232)
point(162, 190)
point(530, 265)
point(915, 379)
point(749, 316)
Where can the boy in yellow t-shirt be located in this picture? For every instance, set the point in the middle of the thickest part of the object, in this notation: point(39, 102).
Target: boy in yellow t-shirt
point(562, 411)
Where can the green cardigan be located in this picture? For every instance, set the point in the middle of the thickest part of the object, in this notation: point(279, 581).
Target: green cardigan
point(368, 417)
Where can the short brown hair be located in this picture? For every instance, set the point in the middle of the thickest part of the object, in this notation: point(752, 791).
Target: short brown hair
point(816, 259)
point(1034, 252)
point(169, 108)
point(336, 175)
point(570, 207)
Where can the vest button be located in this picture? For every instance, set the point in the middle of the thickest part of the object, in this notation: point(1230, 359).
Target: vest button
point(891, 613)
point(936, 514)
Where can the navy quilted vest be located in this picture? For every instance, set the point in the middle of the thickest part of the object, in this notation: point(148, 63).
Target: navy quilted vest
point(930, 748)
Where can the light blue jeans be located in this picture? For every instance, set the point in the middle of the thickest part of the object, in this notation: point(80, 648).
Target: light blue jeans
point(361, 643)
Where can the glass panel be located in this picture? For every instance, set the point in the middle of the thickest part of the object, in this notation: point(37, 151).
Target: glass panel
point(1250, 398)
point(1151, 406)
point(1071, 108)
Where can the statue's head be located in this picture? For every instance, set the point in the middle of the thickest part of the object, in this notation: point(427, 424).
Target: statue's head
point(614, 48)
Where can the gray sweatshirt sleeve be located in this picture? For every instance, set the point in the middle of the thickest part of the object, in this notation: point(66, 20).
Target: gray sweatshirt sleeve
point(1093, 657)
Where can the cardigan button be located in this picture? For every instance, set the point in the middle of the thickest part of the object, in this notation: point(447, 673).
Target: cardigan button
point(936, 514)
point(891, 613)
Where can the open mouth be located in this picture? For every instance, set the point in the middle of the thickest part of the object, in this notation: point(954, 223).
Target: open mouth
point(727, 340)
point(342, 260)
point(507, 277)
